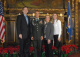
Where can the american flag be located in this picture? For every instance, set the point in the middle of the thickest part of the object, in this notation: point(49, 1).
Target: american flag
point(2, 23)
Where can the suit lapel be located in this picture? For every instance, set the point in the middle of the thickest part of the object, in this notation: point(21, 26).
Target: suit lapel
point(25, 19)
point(28, 20)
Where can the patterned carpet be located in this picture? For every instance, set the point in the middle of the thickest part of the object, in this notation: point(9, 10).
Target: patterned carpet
point(75, 55)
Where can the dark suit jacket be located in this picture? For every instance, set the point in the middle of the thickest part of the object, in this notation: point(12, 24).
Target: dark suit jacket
point(22, 26)
point(49, 31)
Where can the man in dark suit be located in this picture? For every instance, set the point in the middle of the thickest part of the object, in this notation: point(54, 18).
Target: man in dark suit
point(23, 31)
point(48, 36)
point(37, 34)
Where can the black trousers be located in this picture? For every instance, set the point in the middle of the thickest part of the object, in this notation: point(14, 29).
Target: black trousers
point(49, 51)
point(57, 44)
point(38, 47)
point(24, 47)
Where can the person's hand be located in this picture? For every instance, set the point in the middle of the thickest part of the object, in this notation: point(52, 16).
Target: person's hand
point(49, 41)
point(42, 37)
point(59, 39)
point(20, 36)
point(32, 38)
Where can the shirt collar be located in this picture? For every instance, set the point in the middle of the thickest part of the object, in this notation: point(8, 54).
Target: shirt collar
point(37, 19)
point(55, 20)
point(25, 15)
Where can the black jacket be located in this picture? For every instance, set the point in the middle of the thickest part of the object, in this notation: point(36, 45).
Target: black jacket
point(22, 26)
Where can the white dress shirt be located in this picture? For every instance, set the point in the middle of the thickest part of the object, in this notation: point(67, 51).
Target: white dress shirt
point(57, 28)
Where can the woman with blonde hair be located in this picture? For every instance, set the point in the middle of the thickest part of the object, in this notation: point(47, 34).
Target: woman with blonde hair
point(48, 36)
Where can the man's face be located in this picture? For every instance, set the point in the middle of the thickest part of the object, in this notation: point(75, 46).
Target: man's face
point(55, 16)
point(25, 10)
point(47, 18)
point(37, 14)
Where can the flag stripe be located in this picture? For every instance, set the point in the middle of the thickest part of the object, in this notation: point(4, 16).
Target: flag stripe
point(2, 30)
point(2, 33)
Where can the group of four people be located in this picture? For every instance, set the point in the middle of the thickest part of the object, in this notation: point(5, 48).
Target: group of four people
point(39, 31)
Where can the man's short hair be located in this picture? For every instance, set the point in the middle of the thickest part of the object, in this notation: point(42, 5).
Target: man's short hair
point(37, 11)
point(24, 7)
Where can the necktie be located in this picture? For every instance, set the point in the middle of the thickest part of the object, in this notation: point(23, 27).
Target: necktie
point(27, 19)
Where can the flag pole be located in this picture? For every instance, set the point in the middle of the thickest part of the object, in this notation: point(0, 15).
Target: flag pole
point(2, 44)
point(2, 41)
